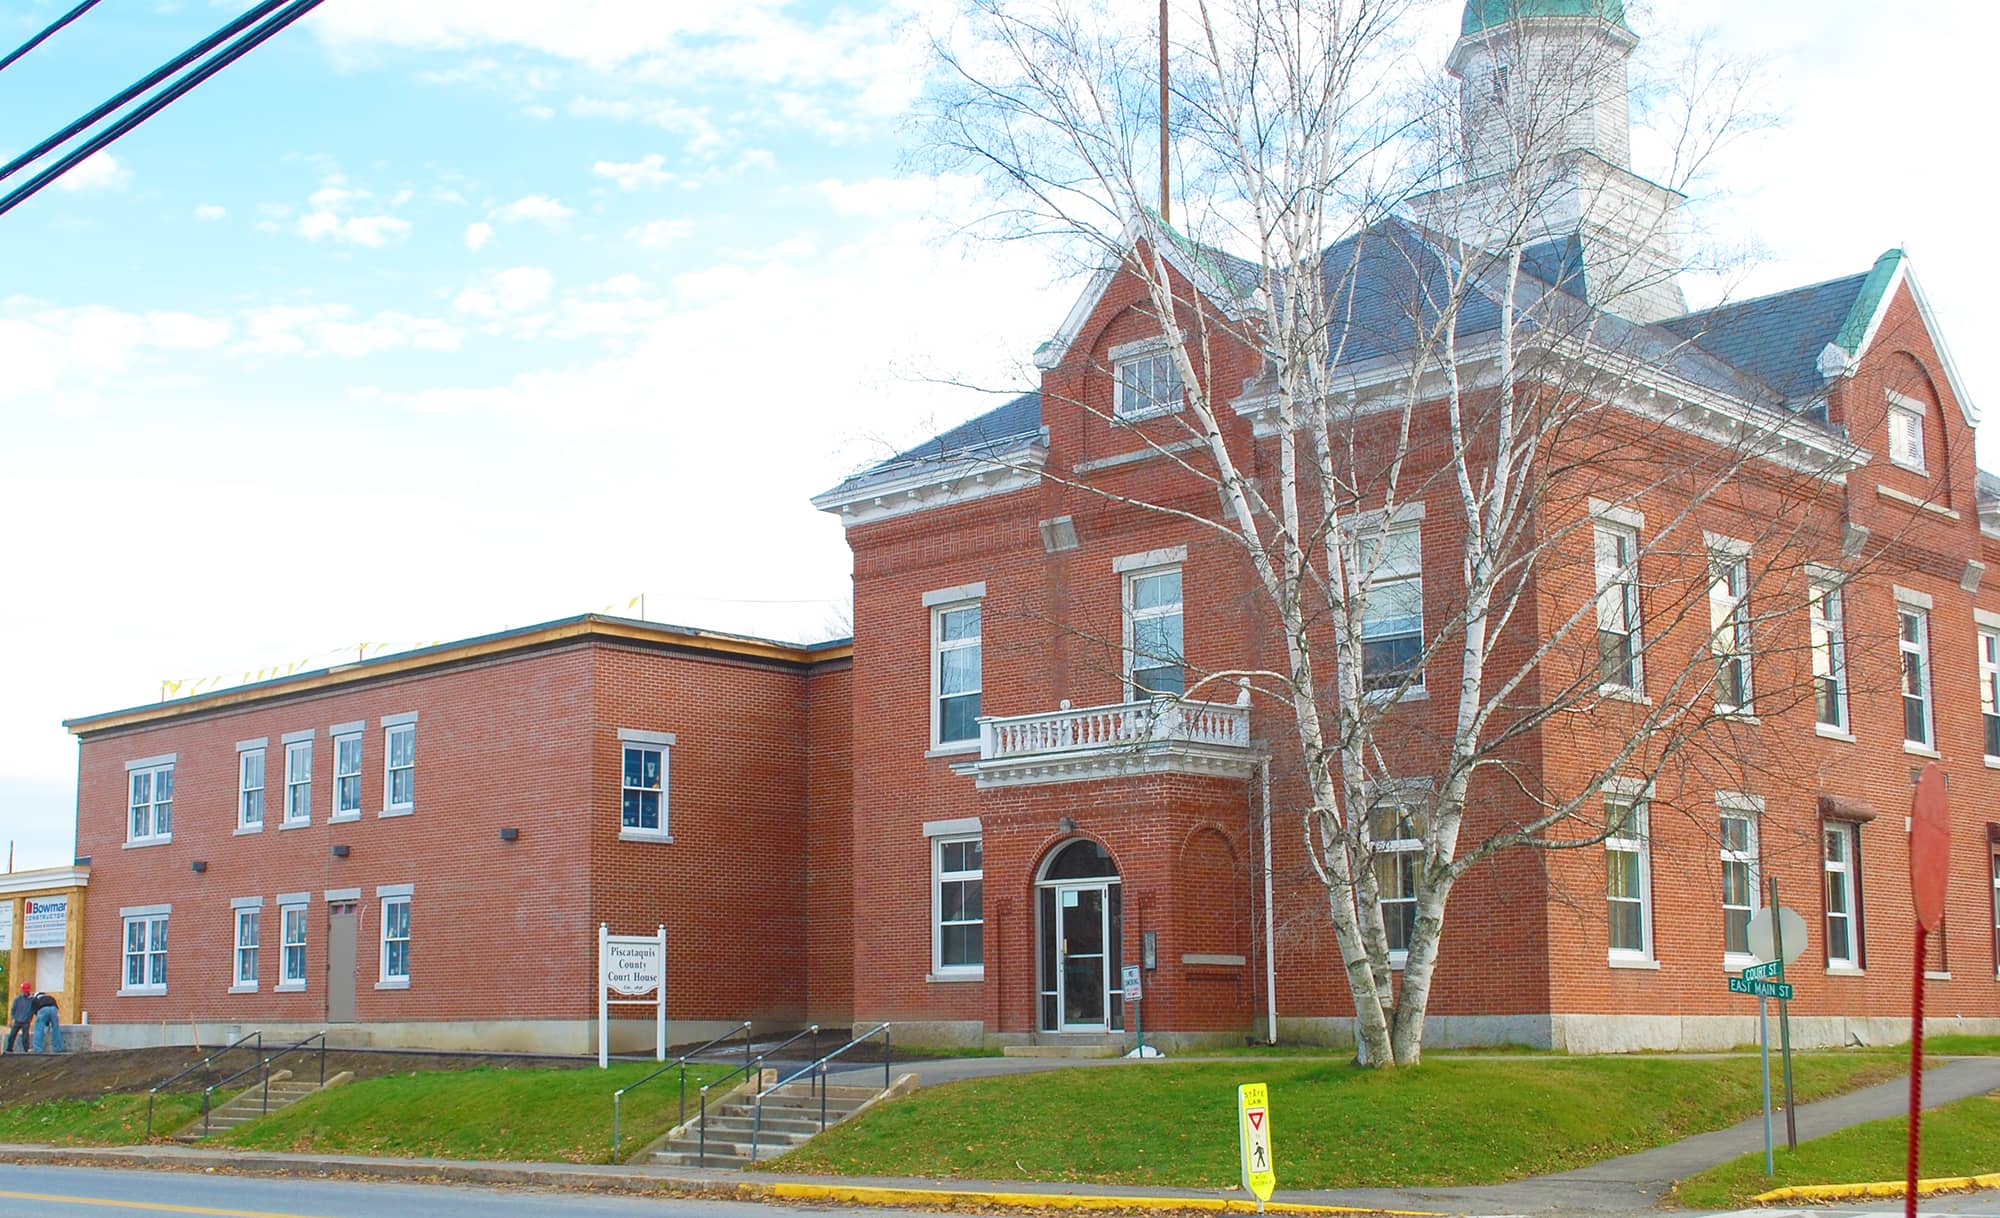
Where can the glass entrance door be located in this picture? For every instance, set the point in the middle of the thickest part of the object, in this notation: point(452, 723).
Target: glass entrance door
point(1081, 951)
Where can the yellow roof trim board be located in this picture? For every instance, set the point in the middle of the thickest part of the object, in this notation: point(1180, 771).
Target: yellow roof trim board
point(588, 627)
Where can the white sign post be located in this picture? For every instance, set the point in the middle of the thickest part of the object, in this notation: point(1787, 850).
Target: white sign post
point(633, 966)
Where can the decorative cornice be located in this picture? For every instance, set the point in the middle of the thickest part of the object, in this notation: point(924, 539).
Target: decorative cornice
point(1117, 761)
point(900, 490)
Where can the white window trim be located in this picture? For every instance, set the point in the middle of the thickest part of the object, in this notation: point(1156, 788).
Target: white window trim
point(1628, 577)
point(938, 647)
point(301, 901)
point(1618, 514)
point(1126, 353)
point(236, 907)
point(1639, 794)
point(147, 914)
point(286, 819)
point(339, 733)
point(1167, 556)
point(244, 751)
point(391, 724)
point(1823, 581)
point(1737, 607)
point(1917, 601)
point(1851, 963)
point(1905, 405)
point(939, 970)
point(951, 596)
point(154, 767)
point(1750, 808)
point(1408, 519)
point(387, 895)
point(664, 742)
point(1394, 792)
point(1126, 578)
point(1986, 625)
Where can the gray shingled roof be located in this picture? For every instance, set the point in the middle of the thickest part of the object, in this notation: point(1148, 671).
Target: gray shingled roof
point(1017, 418)
point(1776, 338)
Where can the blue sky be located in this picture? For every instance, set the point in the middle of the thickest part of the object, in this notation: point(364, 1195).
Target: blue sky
point(433, 317)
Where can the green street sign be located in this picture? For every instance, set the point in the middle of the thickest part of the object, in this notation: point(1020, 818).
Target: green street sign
point(1765, 971)
point(1761, 989)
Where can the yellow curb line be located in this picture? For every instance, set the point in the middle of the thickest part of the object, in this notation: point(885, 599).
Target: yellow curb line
point(1886, 1188)
point(872, 1194)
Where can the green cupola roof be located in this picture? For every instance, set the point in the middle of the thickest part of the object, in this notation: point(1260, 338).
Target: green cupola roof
point(1485, 14)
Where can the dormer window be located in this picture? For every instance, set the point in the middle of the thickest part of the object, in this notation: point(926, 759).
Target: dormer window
point(1906, 433)
point(1149, 382)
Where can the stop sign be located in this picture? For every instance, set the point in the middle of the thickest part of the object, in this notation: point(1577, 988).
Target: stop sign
point(1930, 846)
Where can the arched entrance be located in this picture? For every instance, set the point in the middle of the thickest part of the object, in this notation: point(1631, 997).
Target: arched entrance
point(1080, 939)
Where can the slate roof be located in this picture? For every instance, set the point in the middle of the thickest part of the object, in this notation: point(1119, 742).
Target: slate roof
point(1776, 338)
point(1012, 421)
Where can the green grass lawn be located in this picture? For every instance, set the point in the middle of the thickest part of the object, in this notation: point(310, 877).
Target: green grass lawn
point(1960, 1139)
point(533, 1114)
point(1468, 1120)
point(1958, 1046)
point(111, 1120)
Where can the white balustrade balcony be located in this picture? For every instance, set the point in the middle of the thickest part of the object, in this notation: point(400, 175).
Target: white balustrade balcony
point(1162, 735)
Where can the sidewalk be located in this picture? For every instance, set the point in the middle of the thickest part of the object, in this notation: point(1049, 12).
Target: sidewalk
point(1630, 1184)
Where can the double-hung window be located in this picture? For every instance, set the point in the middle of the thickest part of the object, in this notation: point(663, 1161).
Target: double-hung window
point(1829, 654)
point(399, 764)
point(1906, 432)
point(1996, 909)
point(1914, 643)
point(1841, 857)
point(298, 778)
point(1739, 814)
point(248, 916)
point(643, 784)
point(1149, 381)
point(1627, 872)
point(150, 800)
point(145, 949)
point(1989, 683)
point(1392, 617)
point(346, 771)
point(293, 910)
point(1154, 665)
point(395, 937)
point(1617, 567)
point(250, 786)
point(1396, 836)
point(1729, 625)
point(956, 671)
point(959, 870)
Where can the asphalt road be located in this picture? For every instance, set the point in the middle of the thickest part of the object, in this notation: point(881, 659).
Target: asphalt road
point(84, 1192)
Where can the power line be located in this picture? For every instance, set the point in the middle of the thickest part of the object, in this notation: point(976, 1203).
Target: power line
point(141, 85)
point(42, 37)
point(159, 102)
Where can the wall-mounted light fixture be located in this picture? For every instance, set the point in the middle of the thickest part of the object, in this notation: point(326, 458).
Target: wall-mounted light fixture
point(510, 835)
point(200, 867)
point(1066, 824)
point(340, 852)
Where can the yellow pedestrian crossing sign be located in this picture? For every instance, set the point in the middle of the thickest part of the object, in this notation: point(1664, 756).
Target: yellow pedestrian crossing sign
point(1253, 1124)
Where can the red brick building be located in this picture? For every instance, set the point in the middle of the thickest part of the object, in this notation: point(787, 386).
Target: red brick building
point(1017, 779)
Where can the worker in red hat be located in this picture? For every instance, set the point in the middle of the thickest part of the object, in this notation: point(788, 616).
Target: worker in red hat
point(19, 1016)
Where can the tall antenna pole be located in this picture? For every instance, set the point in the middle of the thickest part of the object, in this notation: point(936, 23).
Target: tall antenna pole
point(1166, 213)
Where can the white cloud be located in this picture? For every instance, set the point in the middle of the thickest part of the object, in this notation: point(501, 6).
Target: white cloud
point(647, 171)
point(909, 196)
point(658, 234)
point(372, 232)
point(478, 234)
point(704, 138)
point(98, 171)
point(514, 290)
point(539, 209)
point(210, 212)
point(334, 329)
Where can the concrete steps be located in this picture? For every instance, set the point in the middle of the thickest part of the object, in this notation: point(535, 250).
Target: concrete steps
point(250, 1105)
point(1071, 1044)
point(791, 1118)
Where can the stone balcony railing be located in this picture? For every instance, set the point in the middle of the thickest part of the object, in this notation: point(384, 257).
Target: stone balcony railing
point(1162, 735)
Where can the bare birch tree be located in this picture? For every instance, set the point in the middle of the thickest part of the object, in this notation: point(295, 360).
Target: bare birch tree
point(1452, 306)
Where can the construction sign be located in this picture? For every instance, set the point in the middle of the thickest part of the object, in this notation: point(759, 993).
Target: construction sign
point(1253, 1107)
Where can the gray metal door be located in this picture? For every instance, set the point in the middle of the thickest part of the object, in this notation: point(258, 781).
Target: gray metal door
point(343, 930)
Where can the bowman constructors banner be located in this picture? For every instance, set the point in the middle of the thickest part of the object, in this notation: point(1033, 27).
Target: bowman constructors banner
point(6, 926)
point(44, 922)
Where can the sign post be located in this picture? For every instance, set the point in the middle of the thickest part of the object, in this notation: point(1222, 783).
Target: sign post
point(1253, 1129)
point(1778, 936)
point(632, 965)
point(1930, 868)
point(1134, 994)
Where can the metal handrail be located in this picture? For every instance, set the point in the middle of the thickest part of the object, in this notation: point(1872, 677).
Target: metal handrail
point(818, 1070)
point(618, 1096)
point(265, 1065)
point(203, 1064)
point(752, 1070)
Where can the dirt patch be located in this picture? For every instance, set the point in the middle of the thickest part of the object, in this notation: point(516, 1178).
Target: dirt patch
point(32, 1078)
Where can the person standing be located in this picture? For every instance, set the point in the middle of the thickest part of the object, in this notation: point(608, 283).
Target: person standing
point(48, 1024)
point(18, 1017)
